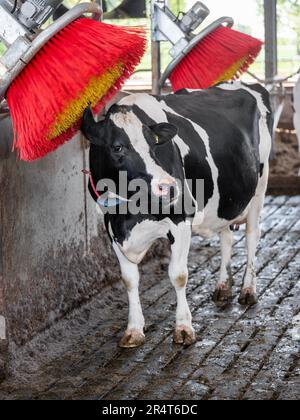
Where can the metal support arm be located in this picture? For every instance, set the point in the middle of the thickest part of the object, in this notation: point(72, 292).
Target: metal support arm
point(23, 49)
point(209, 29)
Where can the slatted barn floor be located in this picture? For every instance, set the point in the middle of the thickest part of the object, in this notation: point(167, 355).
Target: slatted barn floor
point(240, 353)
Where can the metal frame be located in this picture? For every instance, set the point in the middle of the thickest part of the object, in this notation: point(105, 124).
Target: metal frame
point(155, 53)
point(273, 83)
point(209, 29)
point(19, 62)
point(10, 28)
point(271, 60)
point(164, 28)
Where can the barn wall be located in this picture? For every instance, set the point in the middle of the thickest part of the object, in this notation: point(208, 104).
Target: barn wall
point(54, 253)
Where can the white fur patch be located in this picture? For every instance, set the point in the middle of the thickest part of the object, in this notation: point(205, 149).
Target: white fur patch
point(155, 110)
point(152, 107)
point(214, 170)
point(134, 129)
point(142, 237)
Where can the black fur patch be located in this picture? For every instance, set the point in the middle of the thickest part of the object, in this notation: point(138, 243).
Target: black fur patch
point(231, 122)
point(261, 171)
point(171, 238)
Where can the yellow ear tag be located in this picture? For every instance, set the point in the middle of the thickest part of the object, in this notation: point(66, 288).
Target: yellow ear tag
point(157, 139)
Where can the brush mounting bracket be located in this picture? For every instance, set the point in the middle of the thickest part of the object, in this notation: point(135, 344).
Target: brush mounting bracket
point(34, 13)
point(180, 31)
point(22, 42)
point(168, 27)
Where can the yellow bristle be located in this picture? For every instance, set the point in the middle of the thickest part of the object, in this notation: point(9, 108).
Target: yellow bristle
point(92, 94)
point(232, 71)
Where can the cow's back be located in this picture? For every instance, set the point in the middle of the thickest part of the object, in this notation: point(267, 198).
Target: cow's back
point(230, 119)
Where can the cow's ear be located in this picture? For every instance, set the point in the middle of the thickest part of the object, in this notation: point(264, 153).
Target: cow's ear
point(164, 132)
point(92, 130)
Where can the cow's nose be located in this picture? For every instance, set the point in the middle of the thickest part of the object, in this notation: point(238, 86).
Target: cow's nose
point(166, 189)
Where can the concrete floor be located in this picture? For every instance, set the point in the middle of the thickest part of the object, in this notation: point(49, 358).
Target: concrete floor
point(240, 353)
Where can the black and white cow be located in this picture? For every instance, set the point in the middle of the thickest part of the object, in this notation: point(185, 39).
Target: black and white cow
point(220, 135)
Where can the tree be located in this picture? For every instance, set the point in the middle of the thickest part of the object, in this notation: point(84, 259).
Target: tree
point(288, 12)
point(289, 16)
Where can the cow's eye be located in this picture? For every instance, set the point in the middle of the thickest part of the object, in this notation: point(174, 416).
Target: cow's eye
point(117, 148)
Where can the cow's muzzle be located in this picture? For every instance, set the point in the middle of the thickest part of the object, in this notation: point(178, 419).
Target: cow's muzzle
point(167, 190)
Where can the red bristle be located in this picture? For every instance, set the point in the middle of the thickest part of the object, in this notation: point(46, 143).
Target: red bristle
point(213, 56)
point(62, 69)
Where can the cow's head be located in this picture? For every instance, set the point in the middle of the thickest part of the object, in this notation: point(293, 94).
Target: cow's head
point(122, 142)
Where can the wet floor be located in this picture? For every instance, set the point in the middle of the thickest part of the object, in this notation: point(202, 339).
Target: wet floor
point(240, 353)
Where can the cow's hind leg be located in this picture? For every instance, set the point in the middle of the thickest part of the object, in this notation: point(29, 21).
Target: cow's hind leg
point(248, 296)
point(134, 334)
point(223, 293)
point(178, 272)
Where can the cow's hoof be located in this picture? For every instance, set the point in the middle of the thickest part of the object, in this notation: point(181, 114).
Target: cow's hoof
point(248, 298)
point(184, 335)
point(131, 339)
point(222, 296)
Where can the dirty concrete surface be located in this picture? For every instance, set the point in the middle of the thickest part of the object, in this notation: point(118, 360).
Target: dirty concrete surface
point(287, 159)
point(240, 353)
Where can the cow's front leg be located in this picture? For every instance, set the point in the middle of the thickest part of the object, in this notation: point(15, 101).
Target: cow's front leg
point(134, 334)
point(178, 272)
point(223, 292)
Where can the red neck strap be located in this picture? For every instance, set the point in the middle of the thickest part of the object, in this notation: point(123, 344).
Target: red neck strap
point(89, 173)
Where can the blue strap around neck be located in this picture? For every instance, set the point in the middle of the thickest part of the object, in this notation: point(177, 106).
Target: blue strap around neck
point(110, 202)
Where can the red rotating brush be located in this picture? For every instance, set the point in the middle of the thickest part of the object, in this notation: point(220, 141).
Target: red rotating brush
point(84, 64)
point(221, 56)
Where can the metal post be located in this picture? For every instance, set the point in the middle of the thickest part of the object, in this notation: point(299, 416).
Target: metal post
point(271, 62)
point(156, 54)
point(100, 2)
point(156, 68)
